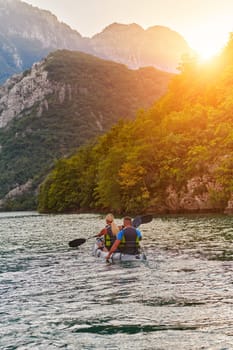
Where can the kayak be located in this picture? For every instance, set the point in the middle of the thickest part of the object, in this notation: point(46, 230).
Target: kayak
point(139, 220)
point(117, 256)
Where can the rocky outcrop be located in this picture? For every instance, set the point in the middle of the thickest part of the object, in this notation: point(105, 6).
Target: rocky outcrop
point(22, 92)
point(19, 190)
point(229, 208)
point(196, 196)
point(29, 90)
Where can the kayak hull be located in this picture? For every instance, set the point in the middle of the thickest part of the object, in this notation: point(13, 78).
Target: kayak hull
point(99, 253)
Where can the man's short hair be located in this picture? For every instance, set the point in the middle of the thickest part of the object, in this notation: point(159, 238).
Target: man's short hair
point(128, 218)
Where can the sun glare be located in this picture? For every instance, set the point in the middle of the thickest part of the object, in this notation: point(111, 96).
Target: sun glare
point(206, 52)
point(208, 45)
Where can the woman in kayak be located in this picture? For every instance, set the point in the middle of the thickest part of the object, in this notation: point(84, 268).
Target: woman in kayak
point(109, 232)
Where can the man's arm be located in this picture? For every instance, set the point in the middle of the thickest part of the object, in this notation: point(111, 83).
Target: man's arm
point(139, 234)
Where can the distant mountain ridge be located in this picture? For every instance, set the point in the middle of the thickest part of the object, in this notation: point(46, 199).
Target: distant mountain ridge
point(156, 46)
point(28, 34)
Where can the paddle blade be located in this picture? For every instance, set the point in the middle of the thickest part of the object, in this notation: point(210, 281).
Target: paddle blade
point(137, 221)
point(77, 242)
point(146, 218)
point(142, 219)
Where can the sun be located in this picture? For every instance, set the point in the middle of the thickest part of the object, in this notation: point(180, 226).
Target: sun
point(208, 45)
point(206, 50)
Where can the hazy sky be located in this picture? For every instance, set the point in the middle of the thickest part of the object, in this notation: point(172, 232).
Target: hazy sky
point(205, 24)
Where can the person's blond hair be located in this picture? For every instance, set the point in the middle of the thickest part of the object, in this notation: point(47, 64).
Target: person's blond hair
point(110, 220)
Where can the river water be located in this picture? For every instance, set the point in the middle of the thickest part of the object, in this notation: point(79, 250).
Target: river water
point(55, 297)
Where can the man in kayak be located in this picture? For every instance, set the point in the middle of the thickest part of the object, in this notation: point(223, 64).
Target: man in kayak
point(109, 232)
point(127, 240)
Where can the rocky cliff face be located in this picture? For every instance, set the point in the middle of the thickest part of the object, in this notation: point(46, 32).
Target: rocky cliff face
point(23, 92)
point(196, 196)
point(30, 90)
point(229, 207)
point(28, 34)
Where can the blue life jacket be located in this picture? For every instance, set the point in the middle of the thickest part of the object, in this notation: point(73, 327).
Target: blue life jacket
point(130, 241)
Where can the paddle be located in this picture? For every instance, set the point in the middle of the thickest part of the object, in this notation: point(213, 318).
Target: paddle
point(137, 221)
point(78, 241)
point(141, 219)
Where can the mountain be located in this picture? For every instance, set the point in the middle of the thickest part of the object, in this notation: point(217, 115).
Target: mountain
point(28, 34)
point(59, 104)
point(157, 46)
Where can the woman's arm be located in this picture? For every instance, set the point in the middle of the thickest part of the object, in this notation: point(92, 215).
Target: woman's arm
point(102, 232)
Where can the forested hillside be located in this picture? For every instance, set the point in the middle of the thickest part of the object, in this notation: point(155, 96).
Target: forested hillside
point(62, 102)
point(175, 157)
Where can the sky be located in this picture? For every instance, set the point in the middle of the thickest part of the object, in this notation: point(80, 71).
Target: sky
point(204, 24)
